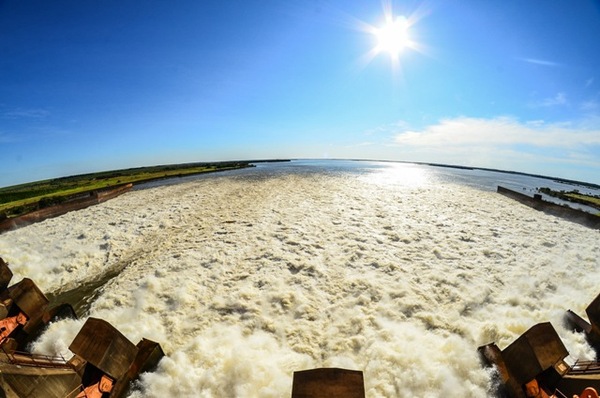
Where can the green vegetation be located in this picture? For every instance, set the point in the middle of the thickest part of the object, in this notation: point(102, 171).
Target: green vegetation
point(20, 199)
point(573, 196)
point(590, 200)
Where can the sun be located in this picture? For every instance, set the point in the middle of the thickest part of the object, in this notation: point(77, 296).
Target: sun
point(396, 36)
point(393, 37)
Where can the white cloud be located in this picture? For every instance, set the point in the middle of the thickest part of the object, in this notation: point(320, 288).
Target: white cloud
point(505, 143)
point(463, 131)
point(499, 131)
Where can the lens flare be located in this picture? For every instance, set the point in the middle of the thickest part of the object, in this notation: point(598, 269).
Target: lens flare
point(393, 37)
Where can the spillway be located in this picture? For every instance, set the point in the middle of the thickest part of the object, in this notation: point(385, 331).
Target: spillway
point(400, 271)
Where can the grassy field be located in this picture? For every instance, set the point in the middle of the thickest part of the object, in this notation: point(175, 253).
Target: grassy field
point(20, 199)
point(592, 200)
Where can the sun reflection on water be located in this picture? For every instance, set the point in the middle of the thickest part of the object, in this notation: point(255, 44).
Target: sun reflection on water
point(405, 175)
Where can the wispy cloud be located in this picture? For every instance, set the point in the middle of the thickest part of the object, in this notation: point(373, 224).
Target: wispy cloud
point(542, 62)
point(361, 144)
point(20, 113)
point(388, 128)
point(590, 106)
point(557, 100)
point(34, 134)
point(6, 138)
point(589, 82)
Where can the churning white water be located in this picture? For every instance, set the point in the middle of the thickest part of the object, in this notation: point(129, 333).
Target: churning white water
point(245, 278)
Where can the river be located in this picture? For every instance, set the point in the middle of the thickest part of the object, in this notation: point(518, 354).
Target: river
point(397, 270)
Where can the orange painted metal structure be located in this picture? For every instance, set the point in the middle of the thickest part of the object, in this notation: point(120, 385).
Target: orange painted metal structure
point(534, 364)
point(105, 385)
point(9, 325)
point(104, 361)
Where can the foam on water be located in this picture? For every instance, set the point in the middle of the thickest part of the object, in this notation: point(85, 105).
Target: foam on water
point(245, 280)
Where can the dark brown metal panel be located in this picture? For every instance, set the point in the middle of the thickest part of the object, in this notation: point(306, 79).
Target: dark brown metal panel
point(536, 350)
point(35, 383)
point(547, 345)
point(99, 343)
point(520, 361)
point(593, 312)
point(148, 356)
point(328, 383)
point(28, 297)
point(576, 322)
point(5, 274)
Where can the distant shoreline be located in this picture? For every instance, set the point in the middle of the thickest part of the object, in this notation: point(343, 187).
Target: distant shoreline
point(19, 200)
point(574, 215)
point(452, 166)
point(26, 198)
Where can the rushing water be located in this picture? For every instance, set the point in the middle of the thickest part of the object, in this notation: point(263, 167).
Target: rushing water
point(398, 270)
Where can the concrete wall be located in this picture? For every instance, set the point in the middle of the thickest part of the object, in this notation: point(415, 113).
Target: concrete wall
point(578, 216)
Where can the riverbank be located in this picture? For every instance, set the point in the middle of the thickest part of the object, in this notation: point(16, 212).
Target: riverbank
point(536, 202)
point(25, 198)
point(77, 203)
point(573, 196)
point(33, 202)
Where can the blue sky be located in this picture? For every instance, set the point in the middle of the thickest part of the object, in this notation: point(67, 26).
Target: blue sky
point(88, 86)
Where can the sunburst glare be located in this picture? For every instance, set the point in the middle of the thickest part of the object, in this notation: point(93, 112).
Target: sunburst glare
point(393, 36)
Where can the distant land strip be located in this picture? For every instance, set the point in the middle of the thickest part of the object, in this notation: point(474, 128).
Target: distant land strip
point(453, 166)
point(22, 199)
